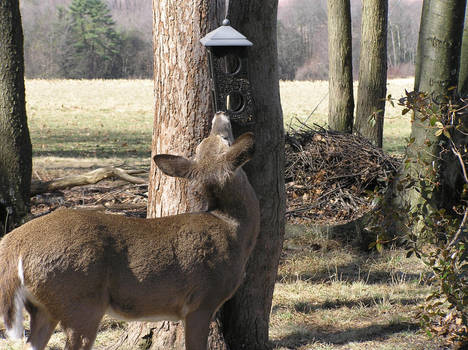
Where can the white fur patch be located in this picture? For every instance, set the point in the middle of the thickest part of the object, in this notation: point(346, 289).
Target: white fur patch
point(17, 331)
point(30, 347)
point(20, 270)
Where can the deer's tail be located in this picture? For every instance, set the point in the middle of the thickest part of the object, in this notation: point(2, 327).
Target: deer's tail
point(12, 297)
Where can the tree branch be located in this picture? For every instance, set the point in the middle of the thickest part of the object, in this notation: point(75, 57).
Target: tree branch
point(89, 178)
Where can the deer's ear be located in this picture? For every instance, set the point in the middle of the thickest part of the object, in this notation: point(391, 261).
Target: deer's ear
point(242, 150)
point(173, 165)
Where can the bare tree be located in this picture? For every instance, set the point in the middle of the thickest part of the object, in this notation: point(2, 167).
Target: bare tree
point(15, 150)
point(370, 106)
point(341, 101)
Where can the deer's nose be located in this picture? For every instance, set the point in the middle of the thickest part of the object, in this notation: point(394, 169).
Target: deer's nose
point(221, 126)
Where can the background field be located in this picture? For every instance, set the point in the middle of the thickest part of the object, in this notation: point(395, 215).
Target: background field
point(329, 295)
point(111, 120)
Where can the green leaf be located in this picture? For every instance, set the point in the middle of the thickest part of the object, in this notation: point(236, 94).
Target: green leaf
point(379, 247)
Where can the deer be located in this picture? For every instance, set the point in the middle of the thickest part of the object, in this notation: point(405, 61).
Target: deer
point(73, 266)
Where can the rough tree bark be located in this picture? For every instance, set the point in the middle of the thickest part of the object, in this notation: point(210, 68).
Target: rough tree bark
point(245, 318)
point(15, 144)
point(438, 59)
point(181, 119)
point(372, 88)
point(341, 101)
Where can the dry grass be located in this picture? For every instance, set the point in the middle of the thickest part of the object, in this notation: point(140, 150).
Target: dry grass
point(328, 295)
point(92, 119)
point(300, 98)
point(111, 120)
point(332, 296)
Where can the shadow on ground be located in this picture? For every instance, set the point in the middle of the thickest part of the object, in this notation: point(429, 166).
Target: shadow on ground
point(79, 145)
point(307, 307)
point(369, 333)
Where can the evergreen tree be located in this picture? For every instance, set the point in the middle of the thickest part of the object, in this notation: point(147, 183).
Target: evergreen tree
point(93, 43)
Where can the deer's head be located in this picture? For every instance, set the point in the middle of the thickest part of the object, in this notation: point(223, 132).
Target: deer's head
point(217, 158)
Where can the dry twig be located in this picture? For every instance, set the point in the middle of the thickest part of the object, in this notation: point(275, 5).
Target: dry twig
point(329, 174)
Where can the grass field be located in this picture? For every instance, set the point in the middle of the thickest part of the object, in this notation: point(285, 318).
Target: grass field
point(328, 295)
point(111, 120)
point(300, 98)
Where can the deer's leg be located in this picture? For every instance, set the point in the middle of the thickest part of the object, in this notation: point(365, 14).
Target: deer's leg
point(197, 326)
point(42, 327)
point(81, 328)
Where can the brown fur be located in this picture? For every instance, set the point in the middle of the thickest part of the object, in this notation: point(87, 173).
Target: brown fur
point(78, 264)
point(9, 282)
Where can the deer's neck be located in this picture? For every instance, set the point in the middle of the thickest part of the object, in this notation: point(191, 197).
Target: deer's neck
point(237, 200)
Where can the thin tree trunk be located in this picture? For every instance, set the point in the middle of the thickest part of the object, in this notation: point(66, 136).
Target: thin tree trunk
point(370, 106)
point(420, 50)
point(463, 77)
point(341, 101)
point(15, 144)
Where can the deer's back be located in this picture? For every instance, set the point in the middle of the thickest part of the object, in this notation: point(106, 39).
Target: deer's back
point(128, 263)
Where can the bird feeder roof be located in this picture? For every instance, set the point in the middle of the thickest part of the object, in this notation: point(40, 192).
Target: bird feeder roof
point(225, 36)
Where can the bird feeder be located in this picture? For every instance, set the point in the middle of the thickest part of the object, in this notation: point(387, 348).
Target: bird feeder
point(231, 91)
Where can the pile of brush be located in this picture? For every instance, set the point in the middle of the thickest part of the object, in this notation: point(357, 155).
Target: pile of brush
point(330, 176)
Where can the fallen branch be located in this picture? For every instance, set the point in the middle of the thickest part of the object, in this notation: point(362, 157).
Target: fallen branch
point(116, 206)
point(89, 178)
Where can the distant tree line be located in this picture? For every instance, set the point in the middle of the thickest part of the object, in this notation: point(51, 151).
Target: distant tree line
point(302, 38)
point(112, 38)
point(81, 39)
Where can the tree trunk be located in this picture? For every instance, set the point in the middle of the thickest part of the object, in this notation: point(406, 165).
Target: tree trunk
point(420, 51)
point(245, 318)
point(181, 120)
point(370, 106)
point(15, 144)
point(463, 77)
point(438, 58)
point(341, 101)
